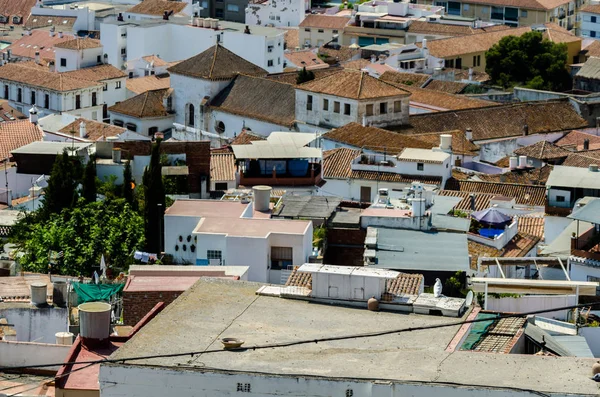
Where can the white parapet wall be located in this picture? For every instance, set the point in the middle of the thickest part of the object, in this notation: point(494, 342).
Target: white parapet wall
point(30, 353)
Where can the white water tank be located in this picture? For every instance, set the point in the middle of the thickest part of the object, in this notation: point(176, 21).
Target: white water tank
point(206, 22)
point(418, 206)
point(94, 320)
point(522, 161)
point(116, 155)
point(262, 197)
point(513, 162)
point(38, 293)
point(64, 338)
point(214, 23)
point(445, 141)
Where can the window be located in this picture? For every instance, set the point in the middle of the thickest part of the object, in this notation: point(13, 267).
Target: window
point(215, 255)
point(47, 101)
point(152, 130)
point(32, 97)
point(219, 126)
point(131, 127)
point(233, 7)
point(19, 95)
point(270, 48)
point(383, 108)
point(453, 8)
point(219, 12)
point(124, 51)
point(221, 186)
point(593, 19)
point(118, 123)
point(63, 62)
point(130, 75)
point(278, 60)
point(169, 103)
point(244, 387)
point(592, 33)
point(465, 7)
point(449, 63)
point(397, 106)
point(420, 166)
point(270, 62)
point(6, 91)
point(77, 101)
point(458, 63)
point(94, 99)
point(105, 87)
point(99, 59)
point(321, 31)
point(498, 13)
point(95, 116)
point(476, 60)
point(307, 30)
point(309, 102)
point(117, 85)
point(511, 14)
point(370, 110)
point(560, 199)
point(281, 257)
point(335, 31)
point(326, 104)
point(190, 115)
point(336, 107)
point(523, 13)
point(347, 109)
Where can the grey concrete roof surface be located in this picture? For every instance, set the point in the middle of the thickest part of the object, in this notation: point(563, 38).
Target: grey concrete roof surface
point(307, 206)
point(214, 309)
point(589, 213)
point(562, 176)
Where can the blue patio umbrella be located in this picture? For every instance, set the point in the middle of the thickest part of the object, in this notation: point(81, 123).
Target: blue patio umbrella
point(491, 216)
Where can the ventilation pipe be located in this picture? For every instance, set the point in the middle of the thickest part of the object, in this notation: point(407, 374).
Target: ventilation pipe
point(37, 57)
point(33, 115)
point(60, 34)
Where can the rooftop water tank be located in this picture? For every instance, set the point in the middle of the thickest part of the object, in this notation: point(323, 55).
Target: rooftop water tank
point(94, 322)
point(64, 338)
point(445, 141)
point(59, 293)
point(38, 293)
point(513, 162)
point(262, 197)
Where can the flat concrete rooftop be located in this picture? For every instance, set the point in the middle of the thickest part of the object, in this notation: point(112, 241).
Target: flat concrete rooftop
point(251, 227)
point(221, 308)
point(206, 208)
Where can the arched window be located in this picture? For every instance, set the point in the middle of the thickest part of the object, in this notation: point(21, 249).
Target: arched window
point(190, 115)
point(131, 127)
point(219, 126)
point(118, 123)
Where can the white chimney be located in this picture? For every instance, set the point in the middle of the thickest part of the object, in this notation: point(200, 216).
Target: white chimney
point(33, 115)
point(418, 207)
point(424, 44)
point(364, 120)
point(37, 57)
point(52, 32)
point(446, 142)
point(51, 67)
point(82, 130)
point(60, 34)
point(513, 162)
point(469, 134)
point(470, 74)
point(522, 161)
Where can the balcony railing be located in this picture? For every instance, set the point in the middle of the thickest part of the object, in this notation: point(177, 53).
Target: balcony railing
point(312, 178)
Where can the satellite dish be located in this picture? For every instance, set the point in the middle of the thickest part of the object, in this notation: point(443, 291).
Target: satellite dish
point(469, 298)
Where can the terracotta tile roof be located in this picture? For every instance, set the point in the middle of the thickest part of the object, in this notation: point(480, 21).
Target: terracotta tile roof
point(463, 74)
point(222, 167)
point(97, 73)
point(504, 162)
point(8, 113)
point(291, 39)
point(574, 140)
point(148, 104)
point(324, 22)
point(593, 8)
point(343, 53)
point(533, 226)
point(523, 194)
point(524, 4)
point(502, 121)
point(407, 79)
point(451, 87)
point(306, 58)
point(535, 176)
point(520, 245)
point(582, 159)
point(79, 44)
point(354, 85)
point(482, 200)
point(543, 150)
point(357, 64)
point(158, 61)
point(245, 137)
point(39, 40)
point(42, 21)
point(290, 77)
point(593, 49)
point(450, 30)
point(378, 139)
point(403, 284)
point(258, 98)
point(456, 46)
point(157, 7)
point(21, 8)
point(216, 63)
point(557, 34)
point(336, 165)
point(41, 77)
point(477, 250)
point(96, 131)
point(299, 279)
point(140, 85)
point(14, 134)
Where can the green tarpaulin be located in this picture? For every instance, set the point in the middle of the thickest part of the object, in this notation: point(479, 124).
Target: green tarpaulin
point(478, 330)
point(96, 292)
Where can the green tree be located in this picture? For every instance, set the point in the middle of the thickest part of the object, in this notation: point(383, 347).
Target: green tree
point(61, 191)
point(154, 195)
point(89, 181)
point(128, 185)
point(529, 60)
point(83, 234)
point(304, 76)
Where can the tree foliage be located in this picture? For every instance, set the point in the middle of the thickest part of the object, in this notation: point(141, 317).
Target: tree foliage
point(128, 185)
point(83, 234)
point(61, 191)
point(89, 181)
point(154, 195)
point(304, 76)
point(529, 60)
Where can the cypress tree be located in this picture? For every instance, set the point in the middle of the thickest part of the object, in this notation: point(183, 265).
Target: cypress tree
point(304, 76)
point(61, 191)
point(128, 185)
point(154, 206)
point(89, 181)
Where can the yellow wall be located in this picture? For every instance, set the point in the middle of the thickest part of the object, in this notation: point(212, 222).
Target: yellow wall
point(315, 38)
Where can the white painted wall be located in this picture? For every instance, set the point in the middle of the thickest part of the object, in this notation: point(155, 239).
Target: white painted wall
point(494, 150)
point(276, 12)
point(27, 353)
point(588, 28)
point(143, 125)
point(580, 272)
point(176, 226)
point(77, 59)
point(234, 124)
point(555, 193)
point(122, 380)
point(37, 325)
point(188, 90)
point(527, 303)
point(113, 36)
point(592, 337)
point(115, 91)
point(349, 189)
point(105, 170)
point(553, 226)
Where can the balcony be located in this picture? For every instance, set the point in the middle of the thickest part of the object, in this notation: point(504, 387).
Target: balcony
point(586, 246)
point(252, 177)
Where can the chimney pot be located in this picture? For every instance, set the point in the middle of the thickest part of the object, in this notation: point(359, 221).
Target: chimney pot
point(525, 130)
point(586, 144)
point(469, 134)
point(593, 167)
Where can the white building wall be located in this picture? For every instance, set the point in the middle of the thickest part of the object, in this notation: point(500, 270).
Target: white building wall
point(38, 325)
point(113, 37)
point(494, 150)
point(234, 124)
point(28, 353)
point(580, 272)
point(553, 226)
point(77, 59)
point(528, 303)
point(350, 189)
point(116, 91)
point(120, 380)
point(188, 90)
point(276, 12)
point(253, 252)
point(174, 227)
point(590, 25)
point(142, 125)
point(553, 198)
